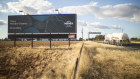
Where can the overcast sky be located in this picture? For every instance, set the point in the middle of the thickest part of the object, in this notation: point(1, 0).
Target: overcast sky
point(106, 16)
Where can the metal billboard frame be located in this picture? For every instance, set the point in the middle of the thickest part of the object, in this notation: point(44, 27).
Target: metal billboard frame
point(43, 35)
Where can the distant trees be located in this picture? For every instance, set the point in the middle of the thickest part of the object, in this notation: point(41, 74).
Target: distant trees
point(135, 39)
point(80, 39)
point(99, 37)
point(5, 39)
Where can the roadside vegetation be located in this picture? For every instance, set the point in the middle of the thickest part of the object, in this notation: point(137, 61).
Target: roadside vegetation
point(97, 61)
point(102, 61)
point(39, 62)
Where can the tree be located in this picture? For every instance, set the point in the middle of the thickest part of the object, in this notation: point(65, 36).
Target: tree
point(99, 37)
point(135, 39)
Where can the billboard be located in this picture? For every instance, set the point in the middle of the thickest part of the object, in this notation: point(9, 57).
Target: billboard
point(42, 24)
point(94, 32)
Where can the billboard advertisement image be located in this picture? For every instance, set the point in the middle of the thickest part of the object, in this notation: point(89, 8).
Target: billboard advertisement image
point(39, 24)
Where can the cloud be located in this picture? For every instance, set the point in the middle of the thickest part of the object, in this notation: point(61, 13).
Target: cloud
point(2, 22)
point(127, 12)
point(81, 23)
point(116, 27)
point(0, 6)
point(3, 10)
point(31, 6)
point(96, 25)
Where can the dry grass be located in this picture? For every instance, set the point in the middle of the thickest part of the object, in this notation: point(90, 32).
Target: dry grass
point(45, 44)
point(39, 62)
point(98, 61)
point(109, 62)
point(135, 42)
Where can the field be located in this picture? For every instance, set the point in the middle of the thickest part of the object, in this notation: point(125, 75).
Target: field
point(97, 61)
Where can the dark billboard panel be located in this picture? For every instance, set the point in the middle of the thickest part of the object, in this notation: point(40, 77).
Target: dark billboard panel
point(42, 36)
point(41, 24)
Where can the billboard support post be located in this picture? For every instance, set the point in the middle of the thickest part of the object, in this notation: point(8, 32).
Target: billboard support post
point(32, 41)
point(50, 43)
point(15, 42)
point(69, 42)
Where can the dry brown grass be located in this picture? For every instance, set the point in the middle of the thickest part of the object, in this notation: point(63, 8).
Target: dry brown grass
point(39, 62)
point(135, 42)
point(98, 61)
point(109, 62)
point(4, 44)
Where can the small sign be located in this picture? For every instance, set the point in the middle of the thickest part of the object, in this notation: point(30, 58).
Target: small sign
point(71, 36)
point(94, 32)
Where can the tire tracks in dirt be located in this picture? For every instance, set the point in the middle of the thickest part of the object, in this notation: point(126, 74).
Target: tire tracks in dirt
point(77, 62)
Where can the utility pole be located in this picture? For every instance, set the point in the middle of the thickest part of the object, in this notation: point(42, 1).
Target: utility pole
point(122, 30)
point(88, 35)
point(82, 33)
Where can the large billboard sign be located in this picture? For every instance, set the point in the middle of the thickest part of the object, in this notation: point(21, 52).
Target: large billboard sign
point(41, 25)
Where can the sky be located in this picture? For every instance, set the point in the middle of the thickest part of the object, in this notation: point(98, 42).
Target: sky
point(105, 16)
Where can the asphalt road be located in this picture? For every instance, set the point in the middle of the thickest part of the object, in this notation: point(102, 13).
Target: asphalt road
point(134, 45)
